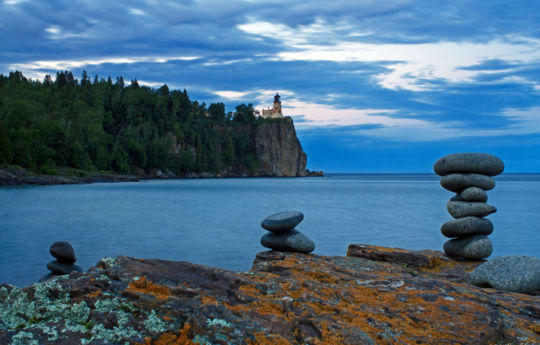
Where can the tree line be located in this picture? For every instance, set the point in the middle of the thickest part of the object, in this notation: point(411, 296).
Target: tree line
point(101, 125)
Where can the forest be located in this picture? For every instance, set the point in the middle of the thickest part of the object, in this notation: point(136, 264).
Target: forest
point(100, 125)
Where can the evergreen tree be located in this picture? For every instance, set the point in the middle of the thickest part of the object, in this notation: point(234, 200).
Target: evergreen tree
point(5, 147)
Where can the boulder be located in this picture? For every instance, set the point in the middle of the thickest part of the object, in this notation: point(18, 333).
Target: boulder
point(282, 221)
point(61, 268)
point(461, 209)
point(459, 182)
point(516, 273)
point(63, 251)
point(476, 247)
point(467, 226)
point(291, 241)
point(480, 163)
point(474, 194)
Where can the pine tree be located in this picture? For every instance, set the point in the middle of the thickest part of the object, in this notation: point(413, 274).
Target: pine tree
point(5, 149)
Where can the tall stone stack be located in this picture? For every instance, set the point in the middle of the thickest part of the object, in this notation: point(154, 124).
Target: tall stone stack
point(469, 175)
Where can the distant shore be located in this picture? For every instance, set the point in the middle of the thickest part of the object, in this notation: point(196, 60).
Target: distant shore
point(16, 176)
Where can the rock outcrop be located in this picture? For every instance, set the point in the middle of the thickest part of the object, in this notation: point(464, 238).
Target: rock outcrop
point(374, 296)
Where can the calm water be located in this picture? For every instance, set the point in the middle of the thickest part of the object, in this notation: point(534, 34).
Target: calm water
point(216, 221)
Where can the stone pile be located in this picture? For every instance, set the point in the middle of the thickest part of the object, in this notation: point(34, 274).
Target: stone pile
point(469, 175)
point(283, 236)
point(65, 260)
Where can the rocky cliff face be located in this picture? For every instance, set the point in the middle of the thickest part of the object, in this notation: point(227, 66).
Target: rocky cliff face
point(278, 150)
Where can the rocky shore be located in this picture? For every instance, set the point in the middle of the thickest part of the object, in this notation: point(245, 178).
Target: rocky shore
point(374, 295)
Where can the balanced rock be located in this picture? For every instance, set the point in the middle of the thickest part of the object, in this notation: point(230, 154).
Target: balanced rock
point(467, 226)
point(59, 268)
point(517, 273)
point(480, 163)
point(459, 182)
point(63, 251)
point(460, 209)
point(291, 241)
point(474, 194)
point(282, 221)
point(476, 247)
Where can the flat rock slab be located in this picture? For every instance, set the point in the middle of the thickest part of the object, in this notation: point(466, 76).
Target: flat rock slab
point(282, 221)
point(476, 247)
point(58, 267)
point(63, 251)
point(467, 226)
point(480, 163)
point(461, 209)
point(516, 273)
point(291, 241)
point(458, 182)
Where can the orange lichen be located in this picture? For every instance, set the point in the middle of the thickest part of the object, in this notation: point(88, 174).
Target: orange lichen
point(145, 286)
point(262, 338)
point(171, 339)
point(94, 294)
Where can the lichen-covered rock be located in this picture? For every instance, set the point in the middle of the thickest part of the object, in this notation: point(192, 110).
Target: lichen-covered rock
point(458, 182)
point(282, 221)
point(475, 247)
point(480, 163)
point(63, 251)
point(460, 209)
point(467, 226)
point(518, 273)
point(286, 298)
point(290, 241)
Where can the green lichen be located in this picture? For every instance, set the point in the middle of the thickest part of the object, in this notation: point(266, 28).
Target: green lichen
point(218, 323)
point(23, 338)
point(154, 323)
point(201, 340)
point(108, 262)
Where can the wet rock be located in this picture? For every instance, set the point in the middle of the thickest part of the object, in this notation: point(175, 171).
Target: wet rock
point(476, 247)
point(467, 226)
point(282, 221)
point(460, 209)
point(459, 182)
point(291, 241)
point(474, 194)
point(63, 251)
point(516, 273)
point(481, 163)
point(61, 268)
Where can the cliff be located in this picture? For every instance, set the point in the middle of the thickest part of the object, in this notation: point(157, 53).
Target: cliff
point(374, 295)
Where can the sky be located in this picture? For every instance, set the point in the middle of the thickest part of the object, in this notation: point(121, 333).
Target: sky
point(372, 86)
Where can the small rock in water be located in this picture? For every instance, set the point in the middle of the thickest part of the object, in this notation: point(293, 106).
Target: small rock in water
point(480, 163)
point(459, 182)
point(60, 268)
point(467, 226)
point(461, 209)
point(282, 221)
point(516, 273)
point(476, 247)
point(474, 194)
point(63, 251)
point(292, 241)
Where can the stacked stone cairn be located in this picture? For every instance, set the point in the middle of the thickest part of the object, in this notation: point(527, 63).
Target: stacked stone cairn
point(470, 176)
point(283, 236)
point(65, 260)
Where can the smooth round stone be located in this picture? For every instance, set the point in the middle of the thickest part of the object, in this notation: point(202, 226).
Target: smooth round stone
point(476, 247)
point(516, 273)
point(63, 251)
point(459, 182)
point(467, 226)
point(282, 221)
point(291, 241)
point(480, 163)
point(474, 194)
point(60, 268)
point(460, 209)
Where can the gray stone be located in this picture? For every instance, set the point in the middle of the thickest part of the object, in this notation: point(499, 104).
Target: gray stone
point(282, 221)
point(476, 247)
point(467, 226)
point(457, 197)
point(458, 182)
point(461, 209)
point(474, 194)
point(517, 273)
point(59, 268)
point(63, 251)
point(480, 163)
point(291, 241)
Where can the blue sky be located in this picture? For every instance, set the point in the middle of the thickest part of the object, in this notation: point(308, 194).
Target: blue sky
point(373, 86)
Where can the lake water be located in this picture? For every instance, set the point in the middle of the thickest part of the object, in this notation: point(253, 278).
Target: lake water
point(217, 221)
